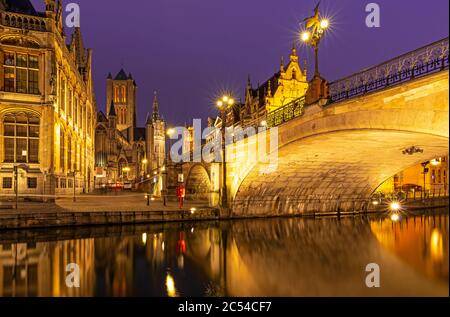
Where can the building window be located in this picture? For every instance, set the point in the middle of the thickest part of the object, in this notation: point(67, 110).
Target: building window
point(21, 138)
point(62, 151)
point(70, 102)
point(21, 73)
point(124, 94)
point(75, 110)
point(63, 95)
point(70, 185)
point(7, 182)
point(62, 183)
point(32, 182)
point(69, 153)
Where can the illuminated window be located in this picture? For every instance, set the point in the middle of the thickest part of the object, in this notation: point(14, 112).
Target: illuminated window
point(124, 94)
point(63, 95)
point(70, 102)
point(69, 153)
point(21, 73)
point(21, 138)
point(62, 151)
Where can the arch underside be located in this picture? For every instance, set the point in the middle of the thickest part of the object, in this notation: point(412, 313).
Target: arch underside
point(198, 184)
point(332, 171)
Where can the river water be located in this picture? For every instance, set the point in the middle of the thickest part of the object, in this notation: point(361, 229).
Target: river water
point(263, 257)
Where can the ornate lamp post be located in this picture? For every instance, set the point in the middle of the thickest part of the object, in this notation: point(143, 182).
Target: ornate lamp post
point(223, 105)
point(315, 30)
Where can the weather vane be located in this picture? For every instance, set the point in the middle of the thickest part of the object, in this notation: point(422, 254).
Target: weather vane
point(315, 29)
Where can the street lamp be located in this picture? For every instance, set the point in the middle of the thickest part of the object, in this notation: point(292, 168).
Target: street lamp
point(315, 30)
point(223, 105)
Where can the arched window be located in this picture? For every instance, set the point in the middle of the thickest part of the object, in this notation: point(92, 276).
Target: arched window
point(62, 150)
point(294, 74)
point(69, 153)
point(116, 94)
point(124, 95)
point(21, 137)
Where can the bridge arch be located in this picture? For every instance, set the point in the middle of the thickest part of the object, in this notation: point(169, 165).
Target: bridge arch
point(333, 158)
point(198, 183)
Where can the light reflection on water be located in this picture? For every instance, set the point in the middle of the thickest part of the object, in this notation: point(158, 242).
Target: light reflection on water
point(270, 257)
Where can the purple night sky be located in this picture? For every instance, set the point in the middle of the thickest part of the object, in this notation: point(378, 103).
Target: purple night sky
point(191, 50)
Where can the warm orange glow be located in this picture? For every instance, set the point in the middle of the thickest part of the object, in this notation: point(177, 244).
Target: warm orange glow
point(305, 36)
point(437, 245)
point(170, 132)
point(395, 217)
point(435, 162)
point(170, 285)
point(395, 205)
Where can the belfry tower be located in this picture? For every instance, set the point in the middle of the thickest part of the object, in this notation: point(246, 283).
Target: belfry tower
point(121, 92)
point(155, 128)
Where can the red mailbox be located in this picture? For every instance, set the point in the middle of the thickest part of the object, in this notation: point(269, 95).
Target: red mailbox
point(180, 191)
point(180, 194)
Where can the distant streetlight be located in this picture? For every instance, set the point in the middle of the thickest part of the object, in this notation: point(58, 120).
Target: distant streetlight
point(223, 105)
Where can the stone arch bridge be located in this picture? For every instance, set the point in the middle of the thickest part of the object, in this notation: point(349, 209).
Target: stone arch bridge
point(334, 153)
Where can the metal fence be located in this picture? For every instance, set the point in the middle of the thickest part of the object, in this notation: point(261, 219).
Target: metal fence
point(426, 60)
point(288, 112)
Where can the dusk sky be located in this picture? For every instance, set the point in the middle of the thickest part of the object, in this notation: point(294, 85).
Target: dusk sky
point(191, 50)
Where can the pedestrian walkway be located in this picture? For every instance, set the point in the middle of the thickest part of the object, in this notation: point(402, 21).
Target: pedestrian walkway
point(102, 203)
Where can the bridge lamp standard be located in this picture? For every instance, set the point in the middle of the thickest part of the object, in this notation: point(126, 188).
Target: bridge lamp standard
point(316, 28)
point(223, 104)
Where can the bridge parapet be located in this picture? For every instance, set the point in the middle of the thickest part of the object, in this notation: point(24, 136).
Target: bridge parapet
point(426, 60)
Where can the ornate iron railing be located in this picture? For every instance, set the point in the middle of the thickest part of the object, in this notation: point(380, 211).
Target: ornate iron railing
point(420, 62)
point(288, 112)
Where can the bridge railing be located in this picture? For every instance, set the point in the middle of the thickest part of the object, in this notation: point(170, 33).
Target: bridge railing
point(288, 112)
point(420, 62)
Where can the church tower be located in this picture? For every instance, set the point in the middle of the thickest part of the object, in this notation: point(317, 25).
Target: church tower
point(155, 128)
point(121, 91)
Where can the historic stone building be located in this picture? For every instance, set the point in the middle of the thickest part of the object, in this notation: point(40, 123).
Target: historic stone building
point(285, 86)
point(126, 153)
point(47, 104)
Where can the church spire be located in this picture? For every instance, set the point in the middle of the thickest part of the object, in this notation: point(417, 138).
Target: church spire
point(282, 64)
point(293, 56)
point(155, 114)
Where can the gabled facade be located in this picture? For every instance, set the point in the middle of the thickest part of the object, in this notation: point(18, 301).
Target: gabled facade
point(285, 86)
point(47, 103)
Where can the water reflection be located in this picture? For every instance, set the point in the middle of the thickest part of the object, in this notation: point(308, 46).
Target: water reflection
point(275, 257)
